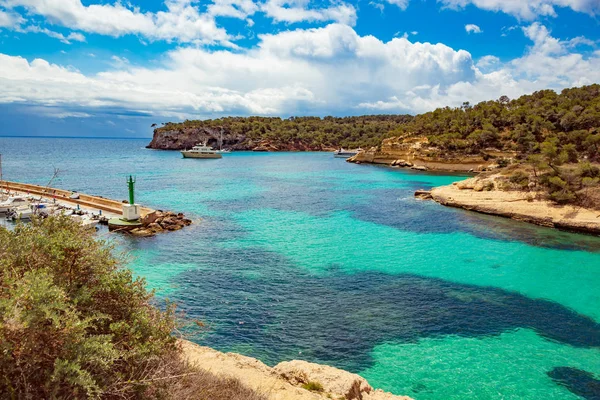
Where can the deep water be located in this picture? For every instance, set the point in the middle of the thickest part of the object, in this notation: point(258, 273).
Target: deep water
point(300, 255)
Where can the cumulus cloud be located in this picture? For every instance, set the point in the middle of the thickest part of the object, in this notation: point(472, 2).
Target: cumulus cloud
point(329, 70)
point(181, 21)
point(472, 28)
point(528, 9)
point(10, 20)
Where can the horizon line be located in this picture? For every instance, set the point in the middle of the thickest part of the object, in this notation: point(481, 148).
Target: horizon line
point(73, 137)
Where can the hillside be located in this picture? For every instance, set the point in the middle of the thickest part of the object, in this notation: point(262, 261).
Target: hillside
point(547, 143)
point(276, 134)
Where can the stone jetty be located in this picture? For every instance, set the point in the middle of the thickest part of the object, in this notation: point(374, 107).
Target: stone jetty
point(151, 221)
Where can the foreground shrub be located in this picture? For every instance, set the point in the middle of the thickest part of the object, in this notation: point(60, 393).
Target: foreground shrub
point(75, 324)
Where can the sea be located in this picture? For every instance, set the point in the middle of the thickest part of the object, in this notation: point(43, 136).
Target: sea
point(305, 256)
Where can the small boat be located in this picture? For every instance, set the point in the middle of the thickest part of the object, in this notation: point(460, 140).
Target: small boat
point(21, 213)
point(86, 221)
point(201, 151)
point(13, 202)
point(341, 153)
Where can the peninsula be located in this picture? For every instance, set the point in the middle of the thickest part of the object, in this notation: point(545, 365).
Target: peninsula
point(276, 134)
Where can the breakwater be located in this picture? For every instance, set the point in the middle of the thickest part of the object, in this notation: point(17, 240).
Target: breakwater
point(151, 221)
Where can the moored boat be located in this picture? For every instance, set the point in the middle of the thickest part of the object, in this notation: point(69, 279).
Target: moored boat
point(201, 151)
point(13, 202)
point(341, 153)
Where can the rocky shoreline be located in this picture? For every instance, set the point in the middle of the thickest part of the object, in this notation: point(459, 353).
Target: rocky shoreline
point(414, 153)
point(481, 194)
point(290, 380)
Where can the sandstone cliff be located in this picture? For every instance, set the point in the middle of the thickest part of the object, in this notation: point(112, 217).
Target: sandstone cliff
point(415, 152)
point(288, 380)
point(484, 194)
point(186, 137)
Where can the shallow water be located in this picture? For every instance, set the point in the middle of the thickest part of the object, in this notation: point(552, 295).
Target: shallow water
point(300, 255)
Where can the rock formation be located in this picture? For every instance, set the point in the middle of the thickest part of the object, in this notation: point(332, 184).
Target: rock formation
point(485, 194)
point(158, 222)
point(288, 380)
point(180, 138)
point(415, 153)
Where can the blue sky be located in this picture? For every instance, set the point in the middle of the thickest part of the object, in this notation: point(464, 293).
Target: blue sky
point(106, 68)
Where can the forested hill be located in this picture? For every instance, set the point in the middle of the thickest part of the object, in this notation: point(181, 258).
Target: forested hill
point(263, 133)
point(570, 119)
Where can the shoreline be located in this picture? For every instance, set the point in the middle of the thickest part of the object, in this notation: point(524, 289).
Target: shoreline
point(284, 381)
point(517, 205)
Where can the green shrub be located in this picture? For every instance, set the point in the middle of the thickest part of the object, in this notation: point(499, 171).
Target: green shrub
point(75, 324)
point(313, 386)
point(520, 178)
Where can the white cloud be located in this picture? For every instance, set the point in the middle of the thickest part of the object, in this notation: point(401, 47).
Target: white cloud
point(71, 37)
point(472, 28)
point(328, 70)
point(297, 10)
point(488, 62)
point(181, 22)
point(402, 4)
point(528, 9)
point(10, 20)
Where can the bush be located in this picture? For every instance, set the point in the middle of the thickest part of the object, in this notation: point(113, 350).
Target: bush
point(520, 178)
point(75, 324)
point(313, 386)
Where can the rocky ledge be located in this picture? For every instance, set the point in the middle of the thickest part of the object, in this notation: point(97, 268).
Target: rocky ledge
point(484, 195)
point(159, 222)
point(291, 380)
point(416, 153)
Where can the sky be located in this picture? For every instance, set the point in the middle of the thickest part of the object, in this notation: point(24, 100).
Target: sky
point(112, 68)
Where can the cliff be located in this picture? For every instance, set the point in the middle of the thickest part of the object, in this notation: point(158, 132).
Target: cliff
point(416, 152)
point(185, 138)
point(485, 195)
point(292, 380)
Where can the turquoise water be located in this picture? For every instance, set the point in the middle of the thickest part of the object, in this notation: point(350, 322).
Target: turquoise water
point(301, 255)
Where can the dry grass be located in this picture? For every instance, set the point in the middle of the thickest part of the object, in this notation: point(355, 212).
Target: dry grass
point(176, 379)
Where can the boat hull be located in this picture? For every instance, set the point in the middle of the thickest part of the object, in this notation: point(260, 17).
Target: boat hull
point(344, 155)
point(188, 154)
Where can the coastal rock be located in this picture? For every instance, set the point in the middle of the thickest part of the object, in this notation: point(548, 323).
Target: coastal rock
point(177, 137)
point(408, 151)
point(423, 194)
point(483, 195)
point(285, 381)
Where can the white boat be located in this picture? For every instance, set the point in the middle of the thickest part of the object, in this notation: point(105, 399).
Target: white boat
point(86, 221)
point(201, 151)
point(13, 202)
point(341, 153)
point(22, 213)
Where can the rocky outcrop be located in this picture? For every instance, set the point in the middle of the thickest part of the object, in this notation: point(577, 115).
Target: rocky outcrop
point(292, 380)
point(158, 222)
point(485, 195)
point(181, 138)
point(415, 153)
point(186, 138)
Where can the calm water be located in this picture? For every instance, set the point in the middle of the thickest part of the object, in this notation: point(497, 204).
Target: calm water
point(305, 256)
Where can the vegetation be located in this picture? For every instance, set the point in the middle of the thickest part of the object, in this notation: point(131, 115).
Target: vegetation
point(313, 386)
point(570, 120)
point(313, 132)
point(556, 138)
point(75, 324)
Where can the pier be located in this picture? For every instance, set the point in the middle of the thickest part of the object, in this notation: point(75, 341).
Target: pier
point(110, 208)
point(119, 215)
